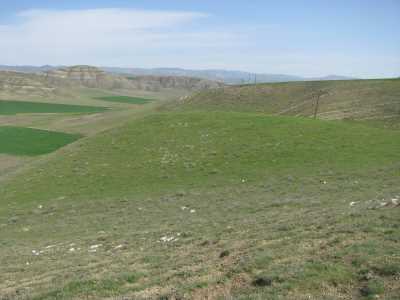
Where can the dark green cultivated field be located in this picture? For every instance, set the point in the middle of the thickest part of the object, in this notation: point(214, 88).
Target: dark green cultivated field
point(22, 107)
point(30, 142)
point(125, 99)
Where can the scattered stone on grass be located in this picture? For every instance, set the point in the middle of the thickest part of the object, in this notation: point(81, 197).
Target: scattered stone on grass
point(366, 275)
point(93, 248)
point(392, 203)
point(172, 238)
point(167, 239)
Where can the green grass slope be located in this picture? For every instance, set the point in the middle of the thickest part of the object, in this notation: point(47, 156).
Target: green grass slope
point(19, 107)
point(350, 99)
point(177, 150)
point(208, 204)
point(31, 142)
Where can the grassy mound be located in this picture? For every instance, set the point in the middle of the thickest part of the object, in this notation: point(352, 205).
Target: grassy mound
point(30, 142)
point(353, 99)
point(21, 107)
point(165, 151)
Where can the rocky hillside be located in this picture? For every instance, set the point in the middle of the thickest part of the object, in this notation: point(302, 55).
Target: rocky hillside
point(86, 76)
point(52, 81)
point(93, 77)
point(156, 83)
point(16, 83)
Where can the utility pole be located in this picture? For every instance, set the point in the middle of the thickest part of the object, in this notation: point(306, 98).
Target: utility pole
point(255, 84)
point(317, 95)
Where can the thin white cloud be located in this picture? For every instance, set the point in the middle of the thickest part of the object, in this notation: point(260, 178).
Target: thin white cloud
point(107, 20)
point(73, 36)
point(151, 38)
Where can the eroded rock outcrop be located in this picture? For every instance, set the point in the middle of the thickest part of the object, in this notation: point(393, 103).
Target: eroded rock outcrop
point(61, 81)
point(87, 76)
point(16, 83)
point(93, 77)
point(156, 83)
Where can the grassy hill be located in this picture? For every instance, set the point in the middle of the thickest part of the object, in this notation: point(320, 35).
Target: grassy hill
point(213, 199)
point(352, 99)
point(178, 150)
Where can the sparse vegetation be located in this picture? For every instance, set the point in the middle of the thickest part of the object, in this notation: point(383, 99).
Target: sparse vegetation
point(375, 100)
point(213, 199)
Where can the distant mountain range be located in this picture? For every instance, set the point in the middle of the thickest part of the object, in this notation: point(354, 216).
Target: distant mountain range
point(28, 69)
point(226, 76)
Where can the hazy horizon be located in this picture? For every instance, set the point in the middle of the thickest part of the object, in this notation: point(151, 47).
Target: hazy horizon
point(300, 38)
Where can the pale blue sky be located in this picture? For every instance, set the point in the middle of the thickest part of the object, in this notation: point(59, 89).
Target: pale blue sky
point(308, 38)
